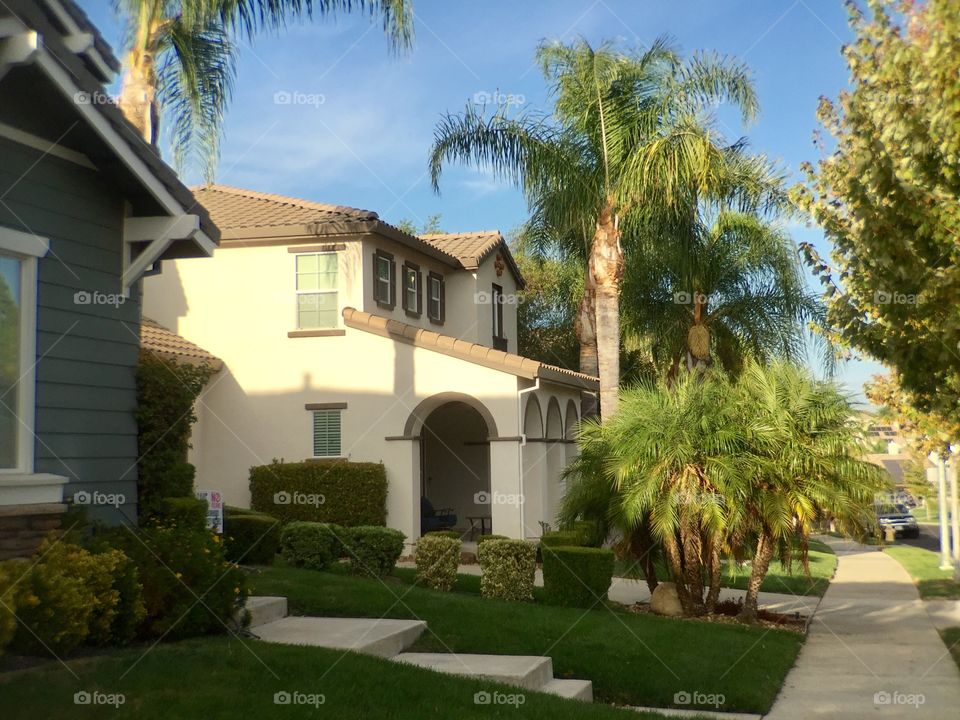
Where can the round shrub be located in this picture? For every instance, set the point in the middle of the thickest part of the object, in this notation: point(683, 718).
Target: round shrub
point(11, 571)
point(311, 545)
point(251, 539)
point(372, 550)
point(186, 512)
point(507, 568)
point(576, 576)
point(438, 558)
point(487, 538)
point(562, 538)
point(443, 533)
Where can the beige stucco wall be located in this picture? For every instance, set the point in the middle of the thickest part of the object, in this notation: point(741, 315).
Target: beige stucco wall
point(240, 306)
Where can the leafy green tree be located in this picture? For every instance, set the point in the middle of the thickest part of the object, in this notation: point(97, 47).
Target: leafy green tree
point(627, 132)
point(431, 226)
point(925, 432)
point(886, 197)
point(180, 60)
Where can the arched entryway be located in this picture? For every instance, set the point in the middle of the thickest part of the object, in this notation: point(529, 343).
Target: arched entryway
point(454, 431)
point(556, 461)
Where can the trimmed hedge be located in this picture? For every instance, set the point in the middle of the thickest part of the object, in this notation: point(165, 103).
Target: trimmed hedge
point(311, 545)
point(576, 576)
point(487, 538)
point(590, 533)
point(185, 512)
point(453, 534)
point(373, 550)
point(437, 558)
point(345, 493)
point(251, 539)
point(562, 538)
point(507, 568)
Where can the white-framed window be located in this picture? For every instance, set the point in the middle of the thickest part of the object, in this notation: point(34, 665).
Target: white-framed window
point(412, 297)
point(317, 285)
point(327, 433)
point(384, 280)
point(18, 342)
point(436, 303)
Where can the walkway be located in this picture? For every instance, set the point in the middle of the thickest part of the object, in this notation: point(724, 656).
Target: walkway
point(872, 651)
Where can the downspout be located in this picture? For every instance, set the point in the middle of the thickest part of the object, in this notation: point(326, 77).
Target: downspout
point(520, 446)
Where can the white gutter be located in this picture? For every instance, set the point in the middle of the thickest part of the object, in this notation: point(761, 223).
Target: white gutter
point(520, 446)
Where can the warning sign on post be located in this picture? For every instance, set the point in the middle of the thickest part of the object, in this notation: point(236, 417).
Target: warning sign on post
point(214, 509)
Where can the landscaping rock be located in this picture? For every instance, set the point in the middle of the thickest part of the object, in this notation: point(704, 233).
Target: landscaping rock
point(665, 600)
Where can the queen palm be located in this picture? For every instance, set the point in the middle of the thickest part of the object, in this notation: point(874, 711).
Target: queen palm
point(723, 290)
point(627, 131)
point(180, 59)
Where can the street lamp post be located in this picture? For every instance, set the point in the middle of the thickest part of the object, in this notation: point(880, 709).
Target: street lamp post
point(942, 499)
point(954, 514)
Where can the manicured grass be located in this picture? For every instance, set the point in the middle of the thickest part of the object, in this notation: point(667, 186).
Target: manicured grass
point(631, 659)
point(823, 564)
point(924, 567)
point(221, 678)
point(951, 638)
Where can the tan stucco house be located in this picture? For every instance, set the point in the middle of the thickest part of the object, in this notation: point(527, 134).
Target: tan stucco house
point(343, 336)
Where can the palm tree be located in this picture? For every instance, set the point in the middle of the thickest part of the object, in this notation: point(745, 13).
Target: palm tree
point(627, 132)
point(809, 466)
point(721, 290)
point(180, 60)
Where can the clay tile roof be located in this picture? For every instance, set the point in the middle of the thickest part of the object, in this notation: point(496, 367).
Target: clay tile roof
point(464, 350)
point(470, 248)
point(158, 340)
point(232, 207)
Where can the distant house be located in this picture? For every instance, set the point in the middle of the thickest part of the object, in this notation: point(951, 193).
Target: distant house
point(345, 337)
point(86, 209)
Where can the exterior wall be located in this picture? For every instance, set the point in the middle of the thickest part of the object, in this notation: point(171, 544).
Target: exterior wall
point(86, 353)
point(23, 527)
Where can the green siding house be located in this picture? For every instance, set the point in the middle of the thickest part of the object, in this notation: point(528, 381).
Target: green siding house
point(86, 209)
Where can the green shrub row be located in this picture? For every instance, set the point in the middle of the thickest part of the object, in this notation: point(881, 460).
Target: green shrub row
point(370, 550)
point(345, 493)
point(453, 534)
point(487, 538)
point(437, 558)
point(576, 576)
point(188, 512)
point(508, 568)
point(251, 539)
point(562, 538)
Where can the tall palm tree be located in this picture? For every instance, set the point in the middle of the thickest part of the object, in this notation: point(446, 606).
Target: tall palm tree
point(628, 130)
point(722, 290)
point(180, 60)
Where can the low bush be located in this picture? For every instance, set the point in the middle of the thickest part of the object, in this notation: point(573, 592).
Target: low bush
point(345, 493)
point(189, 588)
point(438, 558)
point(562, 538)
point(590, 532)
point(372, 550)
point(444, 533)
point(186, 512)
point(251, 539)
point(487, 538)
point(311, 545)
point(11, 572)
point(507, 568)
point(576, 576)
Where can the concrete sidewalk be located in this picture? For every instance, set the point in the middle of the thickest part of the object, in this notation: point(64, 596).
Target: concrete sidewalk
point(872, 651)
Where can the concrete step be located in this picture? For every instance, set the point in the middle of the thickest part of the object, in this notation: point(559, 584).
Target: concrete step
point(381, 637)
point(265, 608)
point(526, 671)
point(570, 689)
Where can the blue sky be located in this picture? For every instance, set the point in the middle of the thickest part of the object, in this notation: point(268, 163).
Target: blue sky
point(361, 124)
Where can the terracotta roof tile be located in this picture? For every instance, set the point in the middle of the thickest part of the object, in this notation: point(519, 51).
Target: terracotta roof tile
point(160, 341)
point(470, 248)
point(232, 207)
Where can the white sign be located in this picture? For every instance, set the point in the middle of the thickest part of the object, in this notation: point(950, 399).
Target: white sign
point(214, 509)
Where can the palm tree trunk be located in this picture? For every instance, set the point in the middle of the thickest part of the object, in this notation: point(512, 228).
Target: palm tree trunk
point(692, 563)
point(605, 271)
point(585, 326)
point(672, 551)
point(758, 571)
point(714, 593)
point(138, 92)
point(642, 547)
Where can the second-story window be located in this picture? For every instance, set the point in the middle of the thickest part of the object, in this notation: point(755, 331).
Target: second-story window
point(436, 303)
point(384, 280)
point(496, 298)
point(412, 297)
point(317, 290)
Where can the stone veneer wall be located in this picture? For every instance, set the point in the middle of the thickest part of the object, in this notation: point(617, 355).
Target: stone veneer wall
point(23, 527)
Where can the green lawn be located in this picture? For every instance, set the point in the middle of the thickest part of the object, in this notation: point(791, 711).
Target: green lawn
point(924, 568)
point(631, 659)
point(222, 678)
point(951, 638)
point(823, 563)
